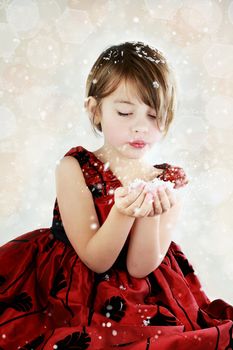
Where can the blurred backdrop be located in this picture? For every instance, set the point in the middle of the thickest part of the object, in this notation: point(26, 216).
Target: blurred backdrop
point(47, 48)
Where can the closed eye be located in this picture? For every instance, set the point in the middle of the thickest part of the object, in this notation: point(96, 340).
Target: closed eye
point(126, 114)
point(123, 114)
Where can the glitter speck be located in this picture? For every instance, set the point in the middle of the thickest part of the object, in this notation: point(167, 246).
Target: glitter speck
point(114, 332)
point(93, 226)
point(106, 277)
point(146, 322)
point(137, 210)
point(109, 324)
point(106, 166)
point(4, 336)
point(122, 287)
point(155, 84)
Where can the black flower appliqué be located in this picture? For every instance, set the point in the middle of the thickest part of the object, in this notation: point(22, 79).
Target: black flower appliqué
point(96, 189)
point(58, 283)
point(74, 341)
point(21, 303)
point(83, 157)
point(2, 280)
point(33, 344)
point(183, 263)
point(114, 308)
point(201, 321)
point(163, 319)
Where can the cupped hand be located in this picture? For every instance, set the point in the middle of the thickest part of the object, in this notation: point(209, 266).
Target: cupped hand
point(136, 202)
point(163, 200)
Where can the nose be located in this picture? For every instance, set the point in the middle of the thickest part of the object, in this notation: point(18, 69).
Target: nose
point(140, 127)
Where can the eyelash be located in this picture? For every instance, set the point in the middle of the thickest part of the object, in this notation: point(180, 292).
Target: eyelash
point(126, 114)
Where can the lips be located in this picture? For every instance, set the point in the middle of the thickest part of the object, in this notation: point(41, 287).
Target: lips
point(138, 143)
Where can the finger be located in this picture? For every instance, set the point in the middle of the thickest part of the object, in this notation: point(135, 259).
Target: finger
point(165, 203)
point(157, 205)
point(134, 193)
point(121, 191)
point(146, 205)
point(151, 213)
point(131, 197)
point(171, 196)
point(134, 202)
point(142, 205)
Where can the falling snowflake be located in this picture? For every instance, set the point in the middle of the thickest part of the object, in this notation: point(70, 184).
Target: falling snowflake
point(106, 166)
point(122, 287)
point(146, 322)
point(155, 84)
point(106, 277)
point(137, 210)
point(93, 226)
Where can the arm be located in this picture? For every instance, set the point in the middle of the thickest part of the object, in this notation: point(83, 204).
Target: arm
point(149, 241)
point(105, 246)
point(98, 247)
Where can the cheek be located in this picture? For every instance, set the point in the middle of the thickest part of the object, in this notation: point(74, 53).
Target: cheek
point(156, 135)
point(113, 131)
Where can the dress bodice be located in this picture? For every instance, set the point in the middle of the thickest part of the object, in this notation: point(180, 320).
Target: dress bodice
point(101, 182)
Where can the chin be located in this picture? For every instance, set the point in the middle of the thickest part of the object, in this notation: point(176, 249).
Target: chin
point(138, 153)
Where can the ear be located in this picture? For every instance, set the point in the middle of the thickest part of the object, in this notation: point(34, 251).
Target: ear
point(90, 105)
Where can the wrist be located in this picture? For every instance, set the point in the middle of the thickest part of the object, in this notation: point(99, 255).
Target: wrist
point(120, 214)
point(153, 219)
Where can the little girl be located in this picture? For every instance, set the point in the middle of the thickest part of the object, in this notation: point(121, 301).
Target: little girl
point(107, 274)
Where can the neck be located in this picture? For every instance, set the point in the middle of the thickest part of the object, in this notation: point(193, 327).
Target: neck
point(116, 160)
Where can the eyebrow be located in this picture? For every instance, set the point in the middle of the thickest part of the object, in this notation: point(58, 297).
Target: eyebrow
point(124, 101)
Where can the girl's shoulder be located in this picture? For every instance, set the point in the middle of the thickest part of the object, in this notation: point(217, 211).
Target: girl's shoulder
point(80, 153)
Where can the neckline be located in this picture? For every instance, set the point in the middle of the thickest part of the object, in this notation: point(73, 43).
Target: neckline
point(109, 170)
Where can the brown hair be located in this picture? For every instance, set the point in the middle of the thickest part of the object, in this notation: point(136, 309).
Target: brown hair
point(146, 68)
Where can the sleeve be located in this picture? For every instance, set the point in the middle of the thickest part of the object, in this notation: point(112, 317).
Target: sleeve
point(176, 175)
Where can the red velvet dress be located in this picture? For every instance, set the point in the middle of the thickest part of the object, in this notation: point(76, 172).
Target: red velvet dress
point(49, 299)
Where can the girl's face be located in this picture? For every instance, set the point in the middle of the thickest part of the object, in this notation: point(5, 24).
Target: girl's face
point(125, 119)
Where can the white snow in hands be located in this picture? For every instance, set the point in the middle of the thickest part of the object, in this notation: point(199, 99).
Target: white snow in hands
point(151, 185)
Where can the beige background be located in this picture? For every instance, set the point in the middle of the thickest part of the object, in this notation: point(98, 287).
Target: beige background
point(46, 51)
